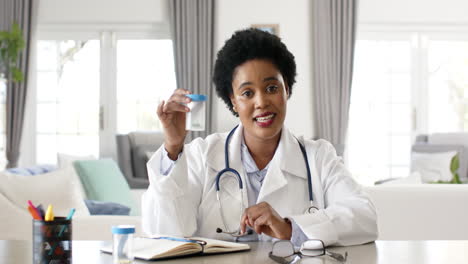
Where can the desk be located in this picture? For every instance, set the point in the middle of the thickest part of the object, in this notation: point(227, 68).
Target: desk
point(381, 252)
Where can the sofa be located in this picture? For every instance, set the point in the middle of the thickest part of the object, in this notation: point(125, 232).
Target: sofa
point(405, 212)
point(421, 211)
point(16, 223)
point(133, 151)
point(97, 207)
point(445, 142)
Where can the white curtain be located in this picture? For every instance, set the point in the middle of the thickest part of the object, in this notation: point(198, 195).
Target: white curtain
point(334, 34)
point(192, 26)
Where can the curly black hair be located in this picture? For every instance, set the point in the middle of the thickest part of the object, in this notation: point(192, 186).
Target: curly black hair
point(246, 45)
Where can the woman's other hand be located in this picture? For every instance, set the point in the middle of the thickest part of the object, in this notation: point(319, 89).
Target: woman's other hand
point(264, 219)
point(172, 116)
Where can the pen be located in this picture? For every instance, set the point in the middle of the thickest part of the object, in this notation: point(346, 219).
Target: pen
point(71, 213)
point(35, 209)
point(201, 242)
point(40, 209)
point(33, 213)
point(49, 216)
point(69, 216)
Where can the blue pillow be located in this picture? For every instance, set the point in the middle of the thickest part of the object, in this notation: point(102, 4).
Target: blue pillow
point(33, 170)
point(103, 181)
point(106, 208)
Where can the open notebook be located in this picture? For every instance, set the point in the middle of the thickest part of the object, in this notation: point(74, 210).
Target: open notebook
point(169, 247)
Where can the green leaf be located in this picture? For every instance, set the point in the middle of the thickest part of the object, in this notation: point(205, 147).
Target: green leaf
point(3, 35)
point(454, 164)
point(456, 179)
point(11, 45)
point(17, 74)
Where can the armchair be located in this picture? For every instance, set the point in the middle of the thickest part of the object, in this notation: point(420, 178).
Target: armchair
point(133, 151)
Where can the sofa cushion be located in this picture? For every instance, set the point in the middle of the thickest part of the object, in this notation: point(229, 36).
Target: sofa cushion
point(461, 150)
point(433, 166)
point(66, 160)
point(106, 208)
point(103, 181)
point(33, 170)
point(59, 188)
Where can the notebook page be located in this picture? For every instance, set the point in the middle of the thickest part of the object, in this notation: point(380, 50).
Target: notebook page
point(147, 248)
point(218, 246)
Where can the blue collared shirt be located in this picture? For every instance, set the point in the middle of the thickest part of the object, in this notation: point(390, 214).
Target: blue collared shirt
point(255, 179)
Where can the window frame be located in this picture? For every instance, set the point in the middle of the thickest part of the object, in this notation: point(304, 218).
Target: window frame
point(419, 34)
point(108, 34)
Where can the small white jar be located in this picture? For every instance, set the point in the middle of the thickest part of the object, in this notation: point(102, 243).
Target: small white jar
point(123, 244)
point(195, 119)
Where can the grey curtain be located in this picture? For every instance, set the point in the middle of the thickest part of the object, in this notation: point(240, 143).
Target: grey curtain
point(192, 34)
point(333, 40)
point(19, 11)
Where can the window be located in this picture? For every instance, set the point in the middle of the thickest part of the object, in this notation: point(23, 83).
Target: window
point(145, 74)
point(404, 84)
point(95, 85)
point(68, 75)
point(447, 108)
point(380, 111)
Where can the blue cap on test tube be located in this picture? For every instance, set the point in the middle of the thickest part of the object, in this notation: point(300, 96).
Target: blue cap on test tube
point(123, 229)
point(197, 97)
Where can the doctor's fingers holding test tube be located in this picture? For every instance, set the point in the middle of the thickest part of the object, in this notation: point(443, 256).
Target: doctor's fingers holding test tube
point(172, 115)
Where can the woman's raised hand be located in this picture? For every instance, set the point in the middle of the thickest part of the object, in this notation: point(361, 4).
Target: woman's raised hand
point(172, 116)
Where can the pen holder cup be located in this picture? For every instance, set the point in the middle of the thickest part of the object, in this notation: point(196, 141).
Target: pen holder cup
point(52, 241)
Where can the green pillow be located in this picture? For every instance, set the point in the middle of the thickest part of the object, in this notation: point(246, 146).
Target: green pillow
point(103, 181)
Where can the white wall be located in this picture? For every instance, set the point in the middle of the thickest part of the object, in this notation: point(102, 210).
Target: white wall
point(294, 26)
point(413, 11)
point(102, 11)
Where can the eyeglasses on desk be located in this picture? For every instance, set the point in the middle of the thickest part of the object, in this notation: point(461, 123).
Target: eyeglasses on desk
point(283, 251)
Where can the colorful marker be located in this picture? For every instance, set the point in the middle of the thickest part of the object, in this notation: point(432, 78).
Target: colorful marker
point(69, 216)
point(35, 209)
point(49, 216)
point(33, 213)
point(40, 209)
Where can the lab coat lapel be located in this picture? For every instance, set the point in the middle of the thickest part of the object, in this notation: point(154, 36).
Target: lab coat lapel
point(290, 156)
point(288, 159)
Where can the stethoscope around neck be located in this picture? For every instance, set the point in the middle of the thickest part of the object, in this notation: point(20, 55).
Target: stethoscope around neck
point(228, 169)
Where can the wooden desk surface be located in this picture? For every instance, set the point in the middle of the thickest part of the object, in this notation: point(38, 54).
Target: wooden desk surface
point(381, 252)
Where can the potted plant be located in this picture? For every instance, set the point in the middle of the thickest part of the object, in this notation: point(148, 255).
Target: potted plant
point(11, 44)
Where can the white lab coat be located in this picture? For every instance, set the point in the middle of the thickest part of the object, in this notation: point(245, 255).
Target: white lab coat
point(184, 202)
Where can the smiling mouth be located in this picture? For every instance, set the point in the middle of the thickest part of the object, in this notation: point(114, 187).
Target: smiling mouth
point(264, 118)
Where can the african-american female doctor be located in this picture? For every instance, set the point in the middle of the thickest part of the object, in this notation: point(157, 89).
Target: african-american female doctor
point(257, 181)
